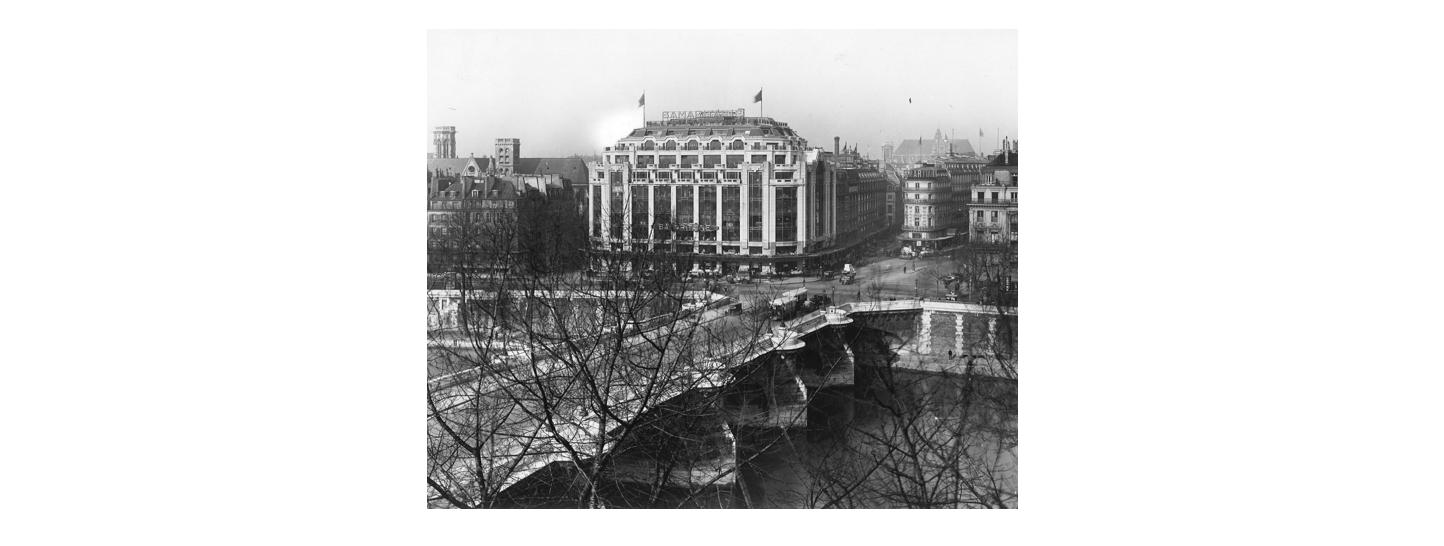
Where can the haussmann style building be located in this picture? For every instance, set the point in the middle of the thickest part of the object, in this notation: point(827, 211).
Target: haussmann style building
point(472, 200)
point(993, 207)
point(929, 213)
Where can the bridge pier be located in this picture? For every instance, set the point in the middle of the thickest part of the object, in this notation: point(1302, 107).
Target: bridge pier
point(786, 393)
point(961, 336)
point(924, 342)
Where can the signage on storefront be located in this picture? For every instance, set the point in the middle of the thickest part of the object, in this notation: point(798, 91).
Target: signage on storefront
point(685, 114)
point(685, 227)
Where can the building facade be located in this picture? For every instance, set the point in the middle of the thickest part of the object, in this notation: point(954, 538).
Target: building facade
point(993, 201)
point(993, 223)
point(722, 193)
point(861, 190)
point(929, 213)
point(486, 216)
point(469, 220)
point(963, 172)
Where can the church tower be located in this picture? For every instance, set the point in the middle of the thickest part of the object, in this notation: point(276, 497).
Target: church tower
point(508, 153)
point(444, 140)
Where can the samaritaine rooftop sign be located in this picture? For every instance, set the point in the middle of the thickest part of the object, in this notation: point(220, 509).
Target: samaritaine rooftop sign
point(684, 114)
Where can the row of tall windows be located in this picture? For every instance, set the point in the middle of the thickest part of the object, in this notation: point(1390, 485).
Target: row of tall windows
point(731, 212)
point(684, 211)
point(693, 144)
point(639, 215)
point(618, 210)
point(1012, 196)
point(596, 211)
point(707, 211)
point(786, 214)
point(754, 204)
point(661, 212)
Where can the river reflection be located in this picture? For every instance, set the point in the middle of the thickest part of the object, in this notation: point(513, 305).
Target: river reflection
point(895, 438)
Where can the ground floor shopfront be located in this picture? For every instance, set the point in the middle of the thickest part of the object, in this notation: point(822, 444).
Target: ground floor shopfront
point(918, 242)
point(728, 260)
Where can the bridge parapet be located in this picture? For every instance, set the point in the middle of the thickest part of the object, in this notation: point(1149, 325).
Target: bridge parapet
point(941, 336)
point(786, 388)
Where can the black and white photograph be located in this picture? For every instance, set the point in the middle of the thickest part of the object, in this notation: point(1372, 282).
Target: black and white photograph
point(754, 256)
point(723, 269)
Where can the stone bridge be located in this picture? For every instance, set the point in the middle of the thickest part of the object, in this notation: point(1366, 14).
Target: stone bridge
point(774, 386)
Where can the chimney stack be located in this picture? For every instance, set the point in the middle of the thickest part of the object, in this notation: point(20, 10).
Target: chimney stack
point(835, 142)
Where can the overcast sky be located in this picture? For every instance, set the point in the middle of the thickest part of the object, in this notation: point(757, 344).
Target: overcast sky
point(568, 92)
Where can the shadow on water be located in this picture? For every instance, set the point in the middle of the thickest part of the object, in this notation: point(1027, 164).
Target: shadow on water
point(894, 438)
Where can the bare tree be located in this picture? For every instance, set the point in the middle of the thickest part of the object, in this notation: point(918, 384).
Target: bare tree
point(551, 388)
point(932, 432)
point(534, 365)
point(947, 437)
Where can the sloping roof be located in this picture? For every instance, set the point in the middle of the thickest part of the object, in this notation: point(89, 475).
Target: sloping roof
point(1012, 160)
point(962, 159)
point(930, 147)
point(455, 165)
point(505, 189)
point(573, 169)
point(713, 126)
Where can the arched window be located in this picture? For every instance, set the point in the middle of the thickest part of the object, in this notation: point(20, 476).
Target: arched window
point(669, 145)
point(714, 145)
point(736, 145)
point(690, 145)
point(649, 145)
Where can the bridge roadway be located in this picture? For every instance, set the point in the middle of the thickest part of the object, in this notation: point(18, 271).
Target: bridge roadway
point(528, 445)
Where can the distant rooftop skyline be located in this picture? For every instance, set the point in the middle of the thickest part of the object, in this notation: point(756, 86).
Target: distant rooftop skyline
point(574, 92)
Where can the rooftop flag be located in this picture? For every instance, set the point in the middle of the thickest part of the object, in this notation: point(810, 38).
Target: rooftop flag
point(758, 98)
point(642, 101)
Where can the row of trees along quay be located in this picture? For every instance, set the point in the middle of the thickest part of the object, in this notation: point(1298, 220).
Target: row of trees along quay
point(548, 388)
